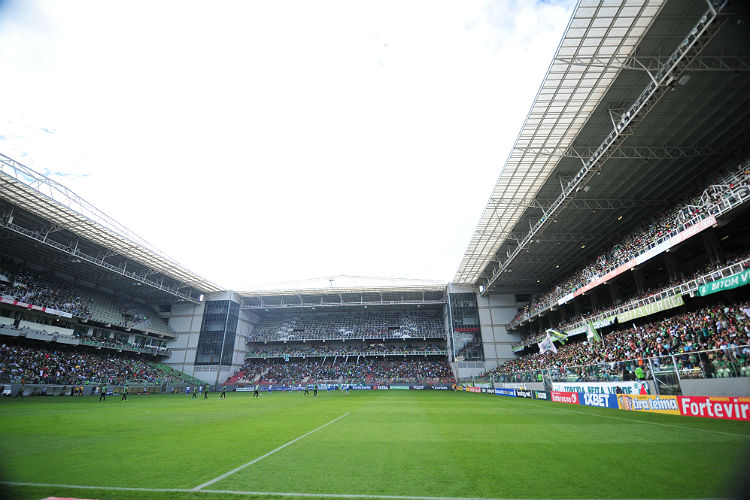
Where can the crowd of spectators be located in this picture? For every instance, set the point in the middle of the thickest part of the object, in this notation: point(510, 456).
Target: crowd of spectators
point(31, 288)
point(732, 186)
point(345, 350)
point(718, 327)
point(364, 370)
point(24, 285)
point(349, 325)
point(37, 365)
point(707, 270)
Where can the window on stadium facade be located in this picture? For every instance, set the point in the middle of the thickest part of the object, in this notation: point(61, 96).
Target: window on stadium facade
point(466, 333)
point(218, 330)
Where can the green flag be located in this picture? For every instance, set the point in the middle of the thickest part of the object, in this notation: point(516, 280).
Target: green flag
point(592, 334)
point(557, 335)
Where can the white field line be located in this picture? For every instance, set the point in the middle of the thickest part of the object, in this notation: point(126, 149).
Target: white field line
point(647, 422)
point(255, 460)
point(263, 493)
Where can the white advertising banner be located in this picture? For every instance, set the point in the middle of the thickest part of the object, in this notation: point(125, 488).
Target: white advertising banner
point(627, 387)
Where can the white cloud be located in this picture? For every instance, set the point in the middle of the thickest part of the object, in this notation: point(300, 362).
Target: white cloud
point(264, 142)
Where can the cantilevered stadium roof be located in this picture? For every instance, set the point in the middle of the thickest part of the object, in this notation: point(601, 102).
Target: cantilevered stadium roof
point(643, 102)
point(599, 38)
point(63, 210)
point(344, 297)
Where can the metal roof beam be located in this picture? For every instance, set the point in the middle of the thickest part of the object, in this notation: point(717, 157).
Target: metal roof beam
point(98, 261)
point(632, 153)
point(653, 63)
point(664, 79)
point(581, 203)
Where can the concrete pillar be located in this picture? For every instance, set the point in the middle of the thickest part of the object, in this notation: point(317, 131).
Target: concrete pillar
point(640, 281)
point(614, 292)
point(670, 264)
point(594, 298)
point(711, 244)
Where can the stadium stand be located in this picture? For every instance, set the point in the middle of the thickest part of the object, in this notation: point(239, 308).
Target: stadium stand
point(683, 284)
point(30, 287)
point(322, 351)
point(364, 370)
point(348, 325)
point(727, 191)
point(29, 364)
point(710, 341)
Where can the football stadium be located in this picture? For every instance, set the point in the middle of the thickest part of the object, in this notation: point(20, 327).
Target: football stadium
point(594, 342)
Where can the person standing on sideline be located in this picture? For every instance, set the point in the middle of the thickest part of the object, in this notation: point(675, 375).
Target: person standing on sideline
point(269, 389)
point(195, 392)
point(102, 392)
point(223, 394)
point(256, 392)
point(315, 391)
point(205, 391)
point(124, 393)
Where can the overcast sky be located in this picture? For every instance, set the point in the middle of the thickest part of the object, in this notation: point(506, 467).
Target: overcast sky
point(266, 142)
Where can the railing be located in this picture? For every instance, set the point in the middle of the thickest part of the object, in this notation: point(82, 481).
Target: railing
point(688, 287)
point(379, 336)
point(731, 198)
point(717, 363)
point(298, 354)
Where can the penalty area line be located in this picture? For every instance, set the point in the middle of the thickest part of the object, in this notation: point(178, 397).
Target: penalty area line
point(255, 460)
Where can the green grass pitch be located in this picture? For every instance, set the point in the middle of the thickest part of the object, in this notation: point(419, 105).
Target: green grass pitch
point(405, 443)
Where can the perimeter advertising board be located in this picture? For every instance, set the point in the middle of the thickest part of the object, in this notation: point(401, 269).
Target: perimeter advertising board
point(521, 393)
point(600, 400)
point(564, 397)
point(544, 395)
point(505, 392)
point(651, 404)
point(602, 387)
point(729, 408)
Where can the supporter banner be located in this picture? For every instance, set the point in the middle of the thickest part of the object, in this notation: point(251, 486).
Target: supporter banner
point(566, 298)
point(505, 392)
point(520, 393)
point(601, 400)
point(648, 254)
point(729, 408)
point(541, 395)
point(734, 281)
point(653, 308)
point(677, 238)
point(399, 387)
point(564, 397)
point(9, 300)
point(513, 385)
point(519, 348)
point(601, 387)
point(653, 404)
